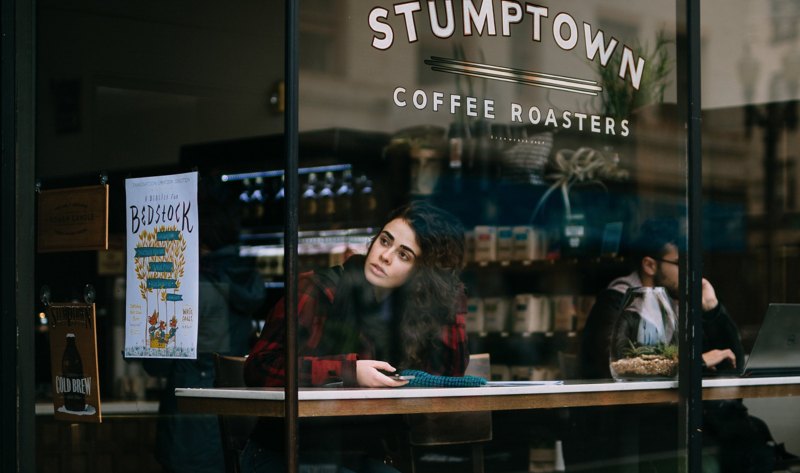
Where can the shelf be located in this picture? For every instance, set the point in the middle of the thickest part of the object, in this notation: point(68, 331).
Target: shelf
point(547, 264)
point(279, 172)
point(309, 242)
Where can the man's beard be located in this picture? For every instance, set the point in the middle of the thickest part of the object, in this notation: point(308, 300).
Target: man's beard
point(658, 280)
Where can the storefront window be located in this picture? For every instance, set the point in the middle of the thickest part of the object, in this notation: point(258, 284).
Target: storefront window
point(552, 135)
point(750, 76)
point(492, 195)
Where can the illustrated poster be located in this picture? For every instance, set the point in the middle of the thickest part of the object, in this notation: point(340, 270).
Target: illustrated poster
point(162, 267)
point(73, 362)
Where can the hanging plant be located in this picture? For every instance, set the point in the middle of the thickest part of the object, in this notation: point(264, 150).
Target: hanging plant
point(585, 166)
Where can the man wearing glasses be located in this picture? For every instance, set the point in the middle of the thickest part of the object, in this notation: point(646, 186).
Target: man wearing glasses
point(655, 254)
point(743, 443)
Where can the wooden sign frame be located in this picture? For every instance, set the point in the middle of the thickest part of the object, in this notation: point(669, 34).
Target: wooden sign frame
point(73, 219)
point(73, 362)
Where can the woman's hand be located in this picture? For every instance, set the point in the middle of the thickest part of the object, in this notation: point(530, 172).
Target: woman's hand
point(714, 357)
point(368, 376)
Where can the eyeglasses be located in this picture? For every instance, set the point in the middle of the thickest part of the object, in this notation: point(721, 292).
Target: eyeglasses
point(676, 263)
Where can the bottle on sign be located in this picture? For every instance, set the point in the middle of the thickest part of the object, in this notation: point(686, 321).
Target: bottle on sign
point(72, 372)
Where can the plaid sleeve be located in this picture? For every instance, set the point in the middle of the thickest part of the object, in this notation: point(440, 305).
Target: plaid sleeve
point(454, 338)
point(266, 364)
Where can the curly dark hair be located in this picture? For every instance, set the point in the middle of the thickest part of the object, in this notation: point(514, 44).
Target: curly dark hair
point(430, 297)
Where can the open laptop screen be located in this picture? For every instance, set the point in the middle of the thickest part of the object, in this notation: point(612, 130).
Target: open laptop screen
point(777, 347)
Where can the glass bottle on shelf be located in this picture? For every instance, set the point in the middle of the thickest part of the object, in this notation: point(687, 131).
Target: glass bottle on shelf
point(309, 207)
point(257, 203)
point(244, 202)
point(344, 198)
point(279, 203)
point(366, 203)
point(326, 200)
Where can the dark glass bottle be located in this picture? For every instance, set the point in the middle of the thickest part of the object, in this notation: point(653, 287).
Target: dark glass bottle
point(244, 202)
point(257, 203)
point(366, 203)
point(309, 207)
point(279, 203)
point(72, 372)
point(344, 198)
point(326, 200)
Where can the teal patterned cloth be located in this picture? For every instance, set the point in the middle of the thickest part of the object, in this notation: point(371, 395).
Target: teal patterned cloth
point(427, 380)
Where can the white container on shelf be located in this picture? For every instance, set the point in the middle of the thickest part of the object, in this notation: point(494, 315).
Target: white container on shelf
point(485, 243)
point(495, 314)
point(546, 321)
point(505, 244)
point(527, 311)
point(564, 313)
point(531, 313)
point(526, 244)
point(475, 316)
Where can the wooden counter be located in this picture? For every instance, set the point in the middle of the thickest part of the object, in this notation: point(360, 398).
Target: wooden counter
point(320, 402)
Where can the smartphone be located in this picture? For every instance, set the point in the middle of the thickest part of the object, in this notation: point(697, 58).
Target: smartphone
point(396, 376)
point(404, 378)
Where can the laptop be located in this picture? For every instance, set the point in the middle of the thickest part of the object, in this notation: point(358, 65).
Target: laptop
point(776, 351)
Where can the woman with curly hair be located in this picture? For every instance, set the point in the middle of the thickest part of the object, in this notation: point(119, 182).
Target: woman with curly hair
point(401, 306)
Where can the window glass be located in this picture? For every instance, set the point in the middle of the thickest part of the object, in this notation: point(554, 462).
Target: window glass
point(137, 90)
point(750, 74)
point(545, 134)
point(550, 133)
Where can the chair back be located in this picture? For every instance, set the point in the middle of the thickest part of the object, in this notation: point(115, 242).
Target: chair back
point(234, 430)
point(471, 429)
point(457, 427)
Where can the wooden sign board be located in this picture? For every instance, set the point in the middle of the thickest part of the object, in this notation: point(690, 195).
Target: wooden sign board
point(73, 362)
point(73, 219)
point(111, 262)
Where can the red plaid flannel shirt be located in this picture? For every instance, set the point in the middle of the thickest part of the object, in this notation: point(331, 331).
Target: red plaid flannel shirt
point(266, 363)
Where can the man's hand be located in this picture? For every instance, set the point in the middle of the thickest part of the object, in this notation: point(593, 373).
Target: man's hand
point(714, 357)
point(368, 376)
point(709, 296)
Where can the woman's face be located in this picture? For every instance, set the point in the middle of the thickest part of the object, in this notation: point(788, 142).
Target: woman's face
point(391, 258)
